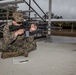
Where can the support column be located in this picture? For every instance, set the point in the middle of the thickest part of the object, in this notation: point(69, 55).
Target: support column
point(7, 14)
point(49, 22)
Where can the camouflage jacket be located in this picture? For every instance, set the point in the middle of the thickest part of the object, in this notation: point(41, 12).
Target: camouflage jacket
point(8, 36)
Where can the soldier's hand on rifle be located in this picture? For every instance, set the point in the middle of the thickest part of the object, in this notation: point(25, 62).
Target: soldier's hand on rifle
point(33, 28)
point(16, 24)
point(19, 32)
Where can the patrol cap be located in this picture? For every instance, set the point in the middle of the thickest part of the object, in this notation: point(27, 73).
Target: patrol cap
point(18, 17)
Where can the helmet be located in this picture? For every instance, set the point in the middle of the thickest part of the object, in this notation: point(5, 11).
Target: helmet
point(18, 17)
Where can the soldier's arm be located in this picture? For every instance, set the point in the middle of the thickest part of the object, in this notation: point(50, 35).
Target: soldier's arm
point(16, 24)
point(8, 36)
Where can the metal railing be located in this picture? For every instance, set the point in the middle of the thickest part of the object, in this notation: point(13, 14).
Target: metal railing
point(33, 9)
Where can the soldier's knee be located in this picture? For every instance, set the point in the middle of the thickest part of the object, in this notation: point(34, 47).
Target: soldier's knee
point(31, 46)
point(30, 39)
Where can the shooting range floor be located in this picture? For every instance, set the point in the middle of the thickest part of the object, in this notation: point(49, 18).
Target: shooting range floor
point(53, 58)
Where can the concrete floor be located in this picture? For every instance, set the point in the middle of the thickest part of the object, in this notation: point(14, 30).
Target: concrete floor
point(48, 59)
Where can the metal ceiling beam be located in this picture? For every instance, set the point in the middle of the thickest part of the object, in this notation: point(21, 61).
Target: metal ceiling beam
point(63, 20)
point(10, 2)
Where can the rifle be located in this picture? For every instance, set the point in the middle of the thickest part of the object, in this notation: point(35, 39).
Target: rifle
point(14, 28)
point(23, 26)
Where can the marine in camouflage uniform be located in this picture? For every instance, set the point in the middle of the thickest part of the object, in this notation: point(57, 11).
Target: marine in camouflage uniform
point(13, 46)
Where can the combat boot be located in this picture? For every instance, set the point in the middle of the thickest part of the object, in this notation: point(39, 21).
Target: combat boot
point(9, 54)
point(25, 54)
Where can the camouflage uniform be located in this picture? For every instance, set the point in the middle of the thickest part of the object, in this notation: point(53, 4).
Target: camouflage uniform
point(13, 46)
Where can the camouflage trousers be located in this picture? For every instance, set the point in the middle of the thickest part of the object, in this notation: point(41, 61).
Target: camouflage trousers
point(18, 48)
